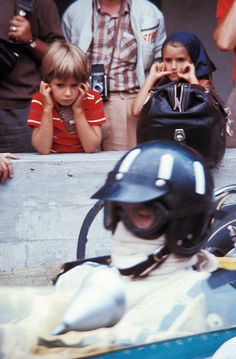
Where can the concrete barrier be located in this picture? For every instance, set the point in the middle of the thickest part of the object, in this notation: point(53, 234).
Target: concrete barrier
point(43, 206)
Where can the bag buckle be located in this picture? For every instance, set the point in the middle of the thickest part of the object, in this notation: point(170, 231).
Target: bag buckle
point(179, 135)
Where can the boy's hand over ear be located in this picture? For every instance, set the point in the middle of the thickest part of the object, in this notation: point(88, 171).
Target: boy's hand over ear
point(82, 93)
point(45, 91)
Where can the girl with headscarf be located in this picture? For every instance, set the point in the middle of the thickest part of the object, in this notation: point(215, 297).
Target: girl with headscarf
point(184, 59)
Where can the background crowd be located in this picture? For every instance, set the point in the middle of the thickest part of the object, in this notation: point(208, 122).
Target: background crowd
point(49, 104)
point(124, 36)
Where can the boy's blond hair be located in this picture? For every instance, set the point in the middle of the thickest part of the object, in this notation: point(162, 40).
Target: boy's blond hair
point(64, 61)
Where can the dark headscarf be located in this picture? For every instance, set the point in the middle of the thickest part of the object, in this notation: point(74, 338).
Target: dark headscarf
point(197, 52)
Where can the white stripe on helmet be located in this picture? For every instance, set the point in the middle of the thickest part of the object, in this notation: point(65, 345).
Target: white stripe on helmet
point(128, 160)
point(200, 180)
point(166, 166)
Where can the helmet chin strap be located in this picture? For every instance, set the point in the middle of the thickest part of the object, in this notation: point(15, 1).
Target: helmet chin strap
point(134, 256)
point(143, 268)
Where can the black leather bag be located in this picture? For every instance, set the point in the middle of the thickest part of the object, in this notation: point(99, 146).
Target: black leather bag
point(188, 114)
point(9, 56)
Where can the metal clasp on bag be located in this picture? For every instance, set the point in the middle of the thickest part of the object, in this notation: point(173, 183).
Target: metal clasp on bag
point(179, 135)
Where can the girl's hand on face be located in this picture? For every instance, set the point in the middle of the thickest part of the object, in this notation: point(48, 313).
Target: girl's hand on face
point(46, 92)
point(157, 71)
point(188, 74)
point(83, 89)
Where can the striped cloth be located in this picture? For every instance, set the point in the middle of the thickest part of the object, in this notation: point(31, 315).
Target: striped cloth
point(123, 69)
point(65, 138)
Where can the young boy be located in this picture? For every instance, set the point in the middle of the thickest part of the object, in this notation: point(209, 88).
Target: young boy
point(65, 115)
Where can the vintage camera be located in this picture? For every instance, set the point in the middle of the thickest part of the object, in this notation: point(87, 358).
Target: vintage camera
point(98, 80)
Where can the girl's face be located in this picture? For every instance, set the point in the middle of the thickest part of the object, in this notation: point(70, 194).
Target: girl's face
point(175, 60)
point(65, 92)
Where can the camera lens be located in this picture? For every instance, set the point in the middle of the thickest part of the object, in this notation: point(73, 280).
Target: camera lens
point(98, 80)
point(97, 87)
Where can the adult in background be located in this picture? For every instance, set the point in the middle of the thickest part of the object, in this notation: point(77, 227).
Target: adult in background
point(126, 37)
point(225, 38)
point(34, 31)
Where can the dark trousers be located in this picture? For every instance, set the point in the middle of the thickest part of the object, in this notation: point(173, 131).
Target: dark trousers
point(15, 135)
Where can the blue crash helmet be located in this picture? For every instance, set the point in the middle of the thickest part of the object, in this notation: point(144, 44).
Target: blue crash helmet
point(175, 182)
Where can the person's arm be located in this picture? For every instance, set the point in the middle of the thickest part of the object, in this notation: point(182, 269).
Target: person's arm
point(6, 166)
point(156, 73)
point(37, 33)
point(225, 32)
point(20, 31)
point(142, 97)
point(90, 136)
point(206, 83)
point(42, 136)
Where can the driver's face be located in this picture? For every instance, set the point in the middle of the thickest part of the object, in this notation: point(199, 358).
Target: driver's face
point(141, 216)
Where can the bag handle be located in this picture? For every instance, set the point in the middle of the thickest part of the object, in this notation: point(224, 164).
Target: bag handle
point(171, 94)
point(179, 95)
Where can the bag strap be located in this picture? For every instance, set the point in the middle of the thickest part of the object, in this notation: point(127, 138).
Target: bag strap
point(25, 7)
point(175, 93)
point(218, 100)
point(114, 42)
point(179, 97)
point(212, 95)
point(115, 37)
